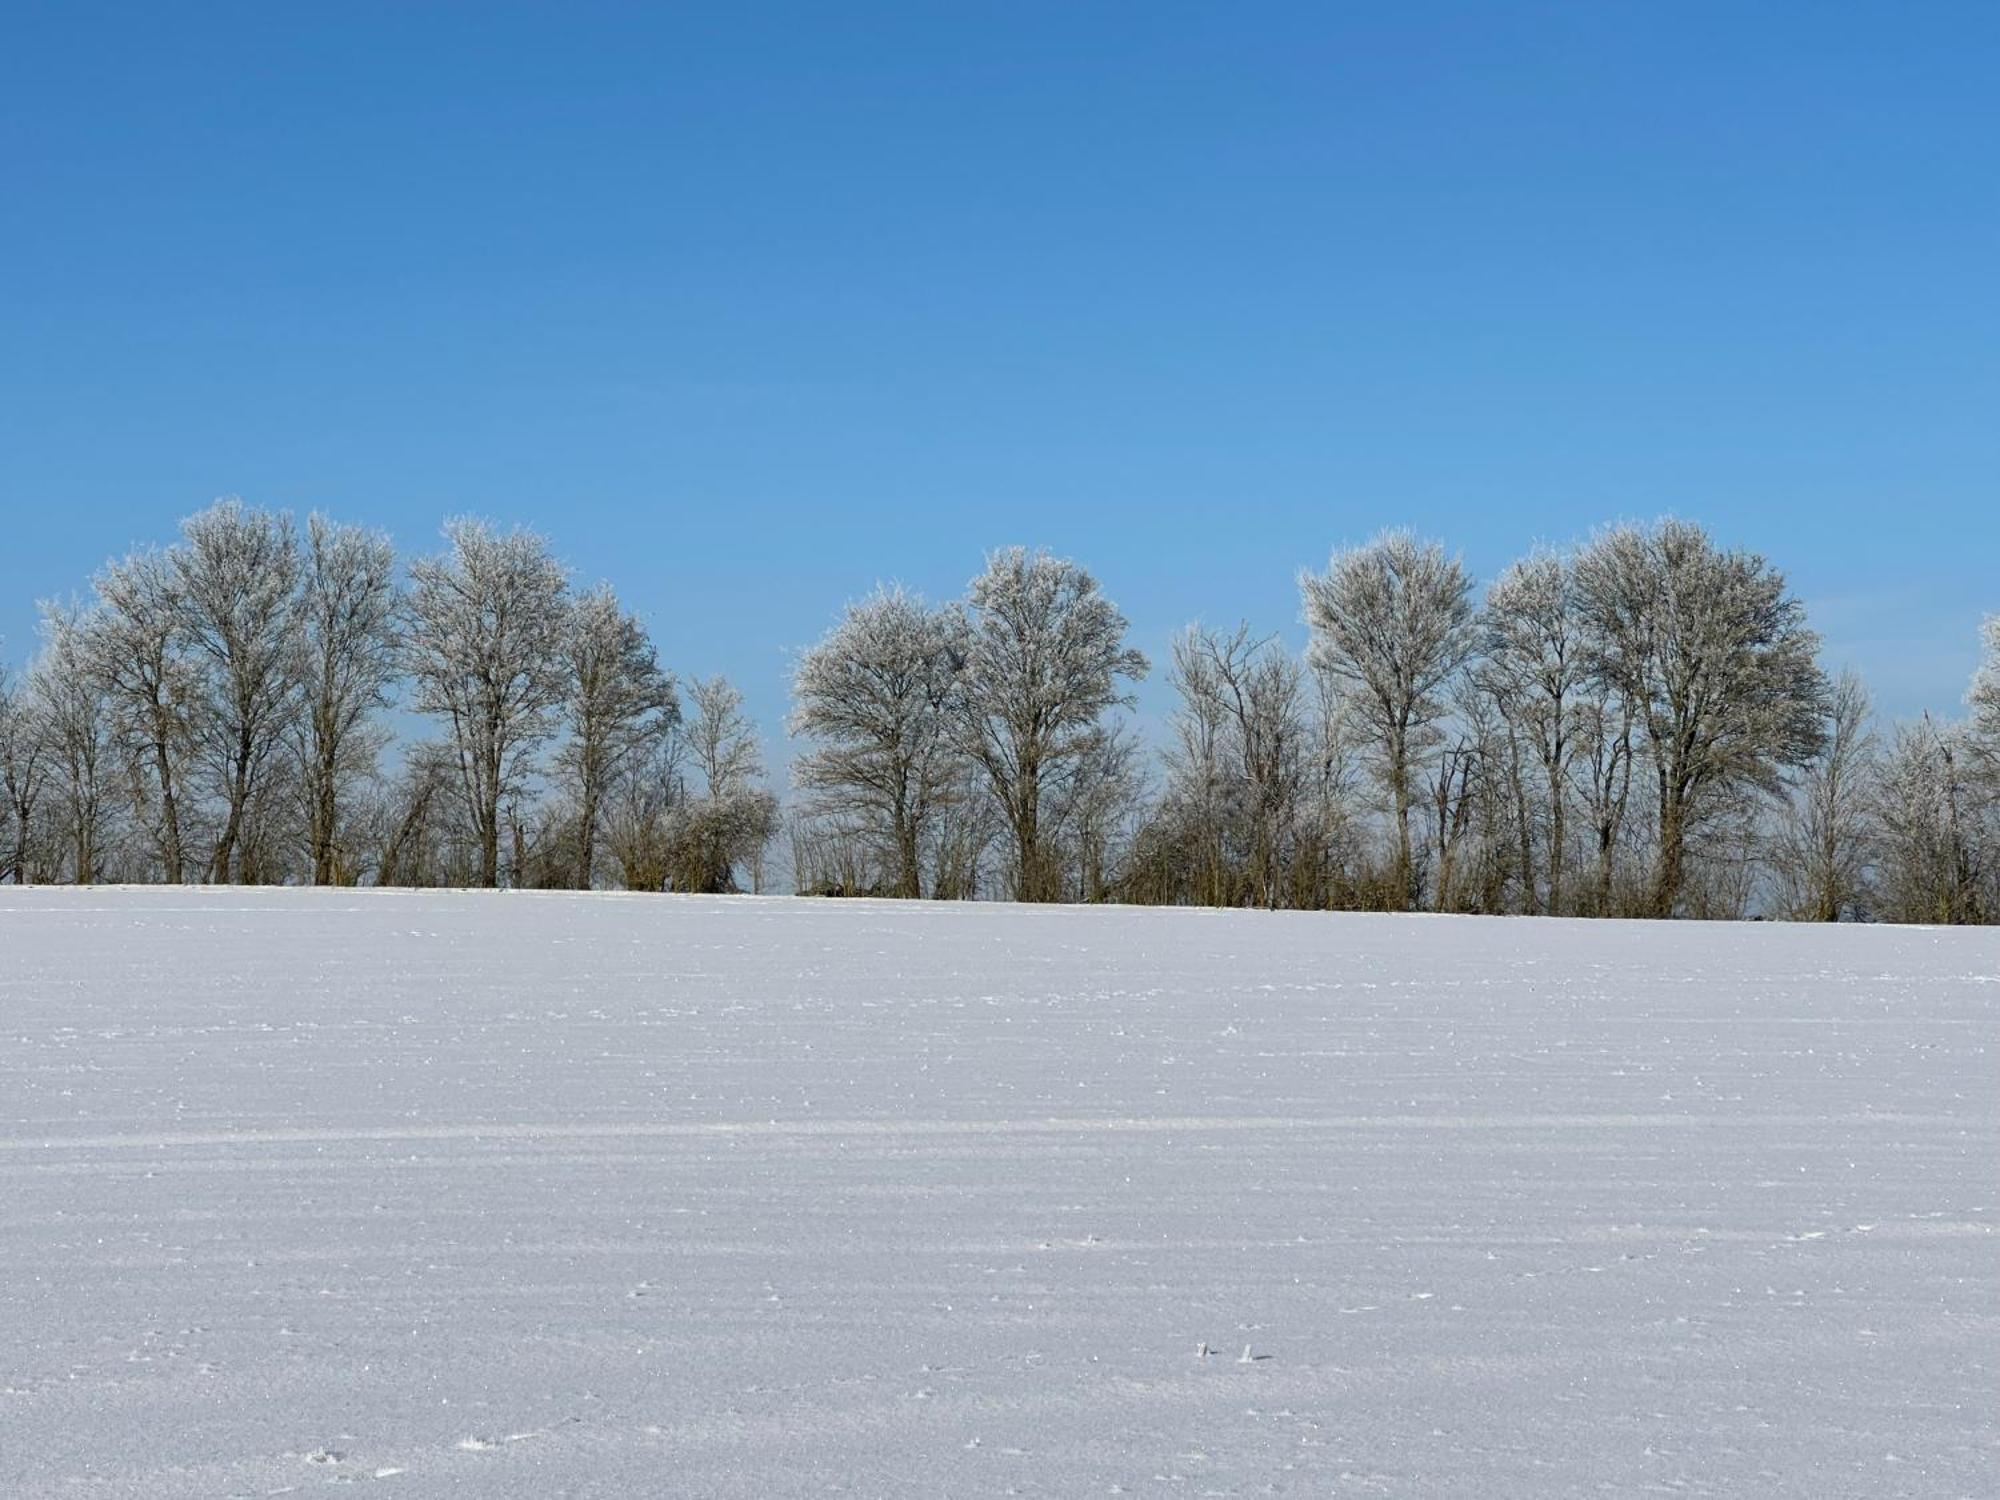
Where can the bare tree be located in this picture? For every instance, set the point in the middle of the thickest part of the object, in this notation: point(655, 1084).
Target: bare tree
point(1823, 846)
point(617, 703)
point(483, 642)
point(155, 691)
point(1044, 655)
point(1718, 663)
point(874, 696)
point(235, 578)
point(1392, 624)
point(831, 857)
point(345, 638)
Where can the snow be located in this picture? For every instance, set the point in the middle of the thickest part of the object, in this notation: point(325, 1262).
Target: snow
point(522, 1195)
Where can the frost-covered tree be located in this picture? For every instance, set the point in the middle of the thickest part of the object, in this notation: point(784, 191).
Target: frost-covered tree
point(1392, 625)
point(484, 632)
point(1534, 669)
point(159, 709)
point(418, 826)
point(1938, 810)
point(829, 858)
point(72, 714)
point(1463, 807)
point(1983, 733)
point(874, 698)
point(345, 635)
point(1237, 767)
point(1193, 835)
point(617, 704)
point(963, 833)
point(1601, 774)
point(640, 811)
point(1044, 659)
point(1716, 659)
point(23, 772)
point(1823, 847)
point(1936, 862)
point(1326, 872)
point(728, 817)
point(1264, 689)
point(235, 580)
point(1095, 814)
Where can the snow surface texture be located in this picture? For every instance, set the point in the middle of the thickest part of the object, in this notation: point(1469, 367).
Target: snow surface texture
point(527, 1195)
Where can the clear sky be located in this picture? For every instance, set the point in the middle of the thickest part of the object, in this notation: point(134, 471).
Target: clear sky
point(748, 306)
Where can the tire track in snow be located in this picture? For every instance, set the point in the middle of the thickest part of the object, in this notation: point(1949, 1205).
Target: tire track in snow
point(914, 1129)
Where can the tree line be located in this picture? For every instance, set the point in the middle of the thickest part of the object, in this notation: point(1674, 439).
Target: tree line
point(1637, 725)
point(220, 710)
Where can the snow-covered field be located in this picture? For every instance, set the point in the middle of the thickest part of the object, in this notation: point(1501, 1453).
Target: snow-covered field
point(622, 1196)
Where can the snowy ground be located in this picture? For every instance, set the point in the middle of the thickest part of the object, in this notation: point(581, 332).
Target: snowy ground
point(540, 1195)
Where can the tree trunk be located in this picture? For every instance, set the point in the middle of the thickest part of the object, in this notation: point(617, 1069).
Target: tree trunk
point(322, 834)
point(1523, 831)
point(1669, 874)
point(1405, 881)
point(324, 806)
point(232, 828)
point(172, 856)
point(486, 814)
point(1558, 833)
point(586, 835)
point(1028, 881)
point(909, 871)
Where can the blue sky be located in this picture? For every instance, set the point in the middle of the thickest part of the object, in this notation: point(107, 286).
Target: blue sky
point(749, 307)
